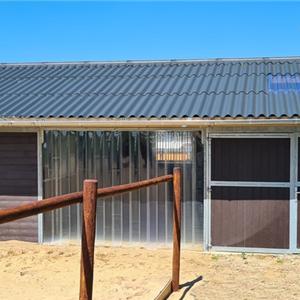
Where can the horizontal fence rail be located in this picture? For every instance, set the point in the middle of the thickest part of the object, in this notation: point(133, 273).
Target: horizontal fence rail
point(89, 197)
point(37, 207)
point(119, 189)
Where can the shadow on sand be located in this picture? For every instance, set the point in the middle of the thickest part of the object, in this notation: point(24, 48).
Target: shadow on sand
point(188, 285)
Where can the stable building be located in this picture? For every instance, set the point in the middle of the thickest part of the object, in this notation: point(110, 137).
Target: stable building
point(232, 125)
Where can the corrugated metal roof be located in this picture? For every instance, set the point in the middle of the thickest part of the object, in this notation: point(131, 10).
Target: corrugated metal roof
point(212, 88)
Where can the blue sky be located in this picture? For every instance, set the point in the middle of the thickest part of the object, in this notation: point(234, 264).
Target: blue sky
point(71, 31)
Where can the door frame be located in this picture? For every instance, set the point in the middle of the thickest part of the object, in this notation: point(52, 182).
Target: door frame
point(293, 184)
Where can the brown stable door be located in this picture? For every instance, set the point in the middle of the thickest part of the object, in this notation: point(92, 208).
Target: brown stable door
point(249, 196)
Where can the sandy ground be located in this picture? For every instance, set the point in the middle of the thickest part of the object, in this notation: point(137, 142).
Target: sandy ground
point(30, 271)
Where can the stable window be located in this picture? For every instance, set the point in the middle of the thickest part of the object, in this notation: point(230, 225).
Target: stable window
point(174, 146)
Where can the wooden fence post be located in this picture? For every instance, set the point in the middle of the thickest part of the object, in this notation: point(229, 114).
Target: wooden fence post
point(88, 239)
point(176, 228)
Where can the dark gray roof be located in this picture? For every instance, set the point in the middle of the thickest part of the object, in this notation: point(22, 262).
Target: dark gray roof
point(205, 89)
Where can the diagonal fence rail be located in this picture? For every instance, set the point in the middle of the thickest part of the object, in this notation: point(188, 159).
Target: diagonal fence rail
point(88, 198)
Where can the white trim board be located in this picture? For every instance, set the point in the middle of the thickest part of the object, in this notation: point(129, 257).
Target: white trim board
point(250, 184)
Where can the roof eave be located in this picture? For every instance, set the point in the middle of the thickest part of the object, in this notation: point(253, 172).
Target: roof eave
point(116, 123)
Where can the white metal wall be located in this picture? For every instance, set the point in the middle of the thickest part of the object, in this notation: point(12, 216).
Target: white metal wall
point(121, 157)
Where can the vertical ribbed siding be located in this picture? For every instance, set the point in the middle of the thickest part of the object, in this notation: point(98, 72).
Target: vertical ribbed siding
point(121, 157)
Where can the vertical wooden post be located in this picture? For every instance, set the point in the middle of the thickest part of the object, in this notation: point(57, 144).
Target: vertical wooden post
point(88, 239)
point(176, 228)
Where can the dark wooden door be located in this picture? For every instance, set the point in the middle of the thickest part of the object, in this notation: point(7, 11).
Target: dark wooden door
point(18, 182)
point(250, 216)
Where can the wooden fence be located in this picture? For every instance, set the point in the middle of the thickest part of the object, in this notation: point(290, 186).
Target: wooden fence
point(88, 198)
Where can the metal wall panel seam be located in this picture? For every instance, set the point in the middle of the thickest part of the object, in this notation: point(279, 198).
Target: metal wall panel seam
point(59, 164)
point(293, 192)
point(204, 139)
point(166, 146)
point(184, 204)
point(113, 198)
point(148, 189)
point(209, 190)
point(157, 198)
point(130, 194)
point(40, 140)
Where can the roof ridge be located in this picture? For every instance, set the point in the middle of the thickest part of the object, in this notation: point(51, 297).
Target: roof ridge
point(158, 61)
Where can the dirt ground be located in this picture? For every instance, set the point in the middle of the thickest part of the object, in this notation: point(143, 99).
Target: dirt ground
point(31, 271)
